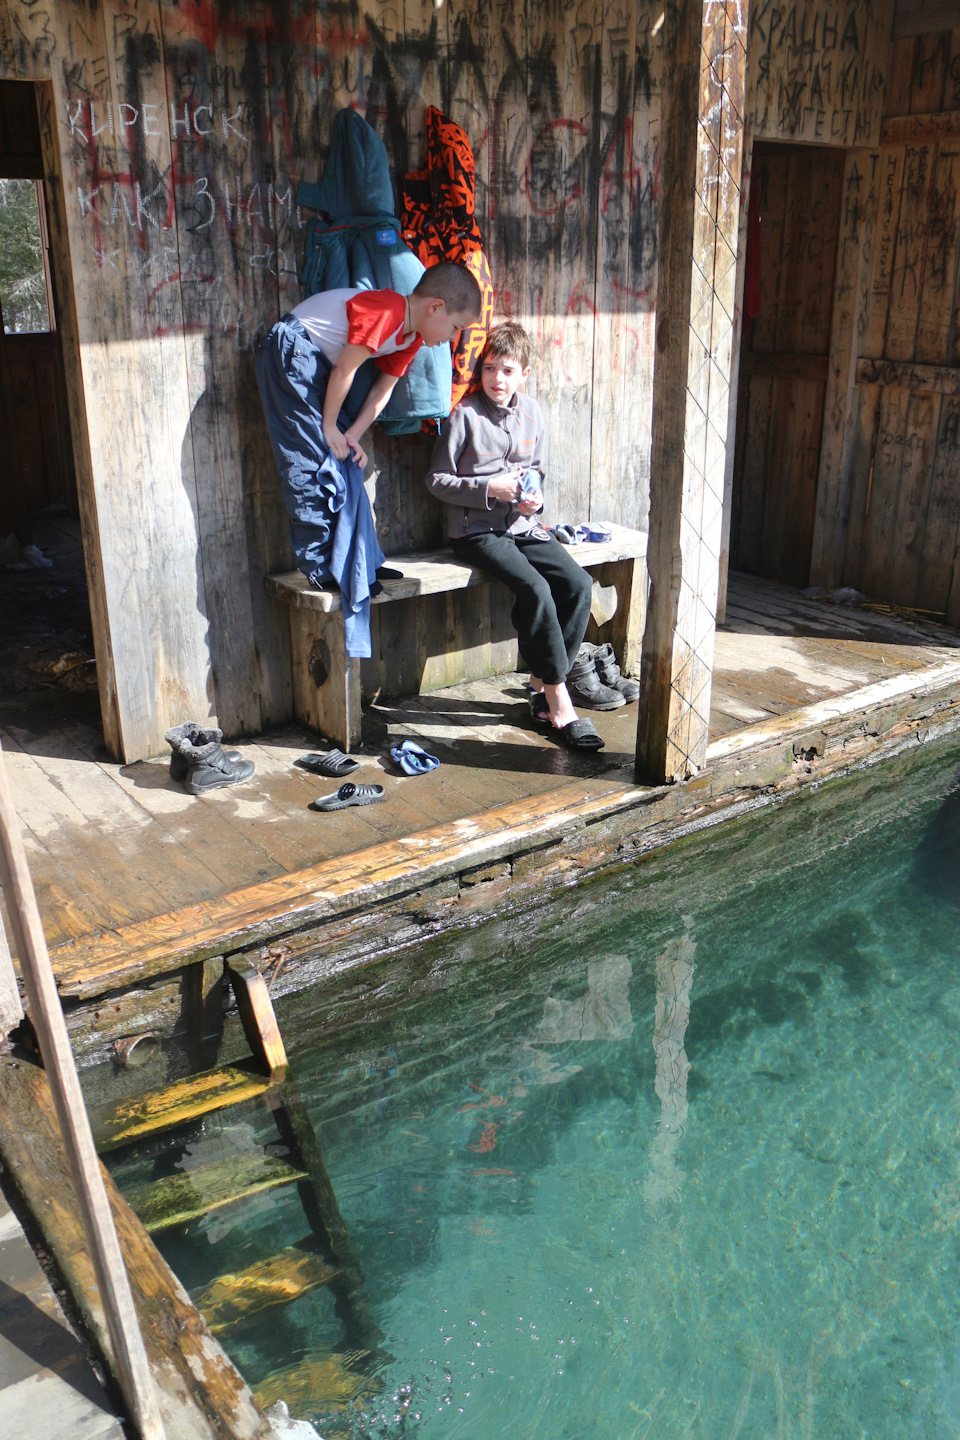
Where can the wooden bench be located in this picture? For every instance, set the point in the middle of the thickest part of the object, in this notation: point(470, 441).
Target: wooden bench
point(442, 623)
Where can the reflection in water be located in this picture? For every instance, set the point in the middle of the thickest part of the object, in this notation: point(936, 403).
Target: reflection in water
point(602, 1014)
point(935, 858)
point(674, 978)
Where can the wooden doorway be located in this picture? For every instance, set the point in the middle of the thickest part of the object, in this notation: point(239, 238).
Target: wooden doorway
point(791, 264)
point(47, 670)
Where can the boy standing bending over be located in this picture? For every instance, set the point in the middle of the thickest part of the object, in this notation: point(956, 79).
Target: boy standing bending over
point(486, 468)
point(305, 368)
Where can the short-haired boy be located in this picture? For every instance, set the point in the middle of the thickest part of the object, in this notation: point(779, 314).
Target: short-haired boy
point(486, 467)
point(305, 368)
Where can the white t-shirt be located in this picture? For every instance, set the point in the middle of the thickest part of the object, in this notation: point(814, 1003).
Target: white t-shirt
point(374, 318)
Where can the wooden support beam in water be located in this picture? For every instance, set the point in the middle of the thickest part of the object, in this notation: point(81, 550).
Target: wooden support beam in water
point(89, 1196)
point(201, 1395)
point(257, 1014)
point(700, 211)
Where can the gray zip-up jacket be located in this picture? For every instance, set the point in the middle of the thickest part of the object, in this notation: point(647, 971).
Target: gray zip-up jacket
point(481, 442)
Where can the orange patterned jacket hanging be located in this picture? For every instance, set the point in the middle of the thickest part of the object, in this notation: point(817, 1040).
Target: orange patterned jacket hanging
point(439, 223)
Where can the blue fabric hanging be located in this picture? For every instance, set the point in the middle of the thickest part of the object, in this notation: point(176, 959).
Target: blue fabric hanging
point(355, 242)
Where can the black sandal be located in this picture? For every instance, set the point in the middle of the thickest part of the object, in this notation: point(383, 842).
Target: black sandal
point(579, 735)
point(349, 794)
point(539, 708)
point(334, 763)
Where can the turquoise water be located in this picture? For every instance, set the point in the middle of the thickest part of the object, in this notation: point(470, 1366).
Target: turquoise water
point(679, 1156)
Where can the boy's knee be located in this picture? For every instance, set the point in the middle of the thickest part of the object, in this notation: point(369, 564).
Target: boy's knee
point(584, 588)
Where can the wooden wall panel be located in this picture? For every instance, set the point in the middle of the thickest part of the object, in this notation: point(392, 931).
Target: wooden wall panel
point(784, 361)
point(183, 131)
point(817, 71)
point(904, 483)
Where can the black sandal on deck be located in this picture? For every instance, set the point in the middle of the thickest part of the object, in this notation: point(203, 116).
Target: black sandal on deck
point(579, 735)
point(539, 708)
point(334, 763)
point(349, 794)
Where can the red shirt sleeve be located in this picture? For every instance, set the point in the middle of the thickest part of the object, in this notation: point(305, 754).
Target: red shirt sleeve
point(373, 317)
point(399, 362)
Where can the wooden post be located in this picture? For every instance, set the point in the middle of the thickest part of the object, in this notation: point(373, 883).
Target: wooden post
point(700, 211)
point(130, 1357)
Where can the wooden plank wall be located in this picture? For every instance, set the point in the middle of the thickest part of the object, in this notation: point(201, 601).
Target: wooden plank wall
point(817, 79)
point(182, 131)
point(898, 524)
point(783, 361)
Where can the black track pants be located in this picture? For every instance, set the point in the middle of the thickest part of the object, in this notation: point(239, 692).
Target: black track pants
point(552, 596)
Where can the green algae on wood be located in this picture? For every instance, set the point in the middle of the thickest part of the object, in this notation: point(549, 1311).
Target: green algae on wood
point(177, 1199)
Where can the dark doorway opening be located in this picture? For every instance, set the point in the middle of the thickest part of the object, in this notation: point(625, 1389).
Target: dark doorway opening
point(795, 199)
point(47, 670)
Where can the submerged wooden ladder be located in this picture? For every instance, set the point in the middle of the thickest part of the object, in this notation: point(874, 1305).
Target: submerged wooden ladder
point(324, 1257)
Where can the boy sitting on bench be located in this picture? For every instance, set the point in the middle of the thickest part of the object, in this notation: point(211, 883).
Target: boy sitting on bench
point(486, 468)
point(305, 368)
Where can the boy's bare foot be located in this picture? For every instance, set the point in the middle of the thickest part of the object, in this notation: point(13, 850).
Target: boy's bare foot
point(561, 706)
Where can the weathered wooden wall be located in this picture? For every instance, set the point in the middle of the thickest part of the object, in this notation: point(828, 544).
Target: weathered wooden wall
point(817, 81)
point(176, 135)
point(895, 525)
point(783, 361)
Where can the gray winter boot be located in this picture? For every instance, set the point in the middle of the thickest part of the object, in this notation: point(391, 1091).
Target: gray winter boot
point(207, 766)
point(179, 769)
point(609, 673)
point(585, 686)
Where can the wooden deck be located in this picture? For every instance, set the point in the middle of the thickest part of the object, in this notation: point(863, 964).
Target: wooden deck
point(113, 845)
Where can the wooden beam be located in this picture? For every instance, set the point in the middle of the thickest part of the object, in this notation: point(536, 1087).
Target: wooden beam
point(924, 17)
point(700, 212)
point(129, 1358)
point(938, 379)
point(257, 1014)
point(920, 129)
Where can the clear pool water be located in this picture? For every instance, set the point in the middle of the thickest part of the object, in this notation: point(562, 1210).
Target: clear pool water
point(679, 1156)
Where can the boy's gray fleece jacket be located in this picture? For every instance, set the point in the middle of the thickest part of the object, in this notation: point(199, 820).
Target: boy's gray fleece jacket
point(479, 442)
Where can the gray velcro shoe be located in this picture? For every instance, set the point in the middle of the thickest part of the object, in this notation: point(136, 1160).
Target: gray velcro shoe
point(585, 686)
point(609, 672)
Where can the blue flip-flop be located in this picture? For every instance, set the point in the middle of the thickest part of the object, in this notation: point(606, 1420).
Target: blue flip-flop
point(413, 759)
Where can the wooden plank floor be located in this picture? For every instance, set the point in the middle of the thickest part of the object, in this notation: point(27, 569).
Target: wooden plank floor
point(110, 845)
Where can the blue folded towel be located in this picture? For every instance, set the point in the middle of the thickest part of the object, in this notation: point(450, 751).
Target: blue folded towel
point(412, 758)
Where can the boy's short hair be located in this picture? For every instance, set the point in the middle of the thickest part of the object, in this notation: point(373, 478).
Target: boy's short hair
point(454, 285)
point(509, 341)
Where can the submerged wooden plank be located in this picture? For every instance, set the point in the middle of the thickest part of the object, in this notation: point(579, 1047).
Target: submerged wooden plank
point(201, 1395)
point(177, 1199)
point(124, 1120)
point(276, 1281)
